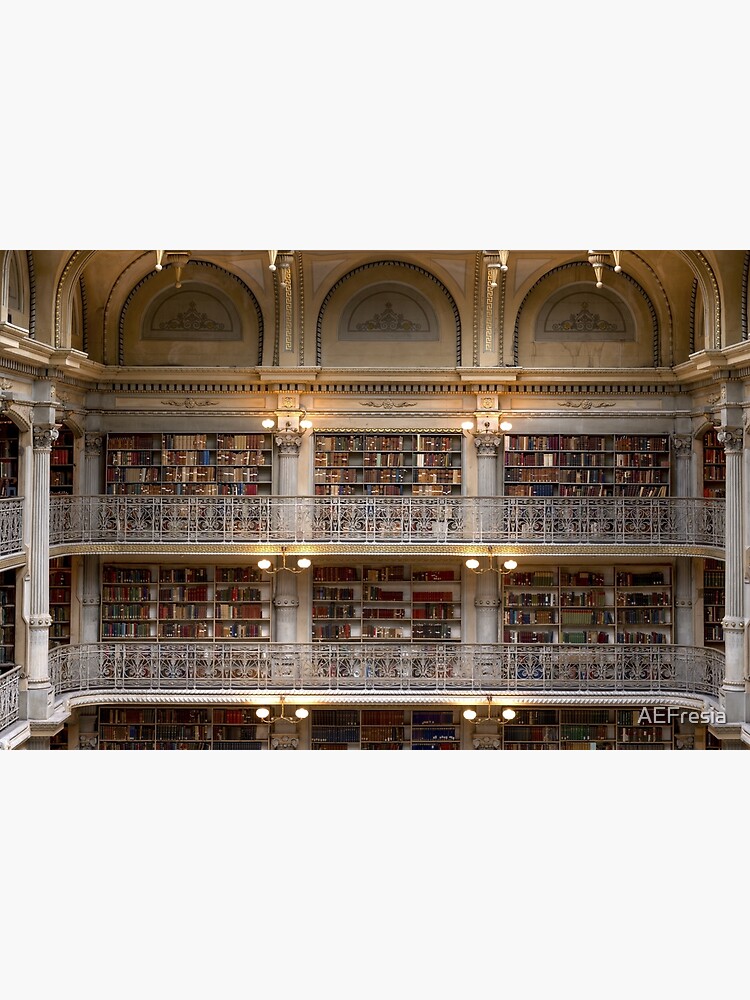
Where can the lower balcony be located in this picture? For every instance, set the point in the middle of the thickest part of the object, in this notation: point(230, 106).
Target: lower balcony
point(419, 669)
point(449, 521)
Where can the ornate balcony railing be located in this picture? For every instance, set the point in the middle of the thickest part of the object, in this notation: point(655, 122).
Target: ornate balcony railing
point(11, 525)
point(461, 520)
point(353, 667)
point(9, 697)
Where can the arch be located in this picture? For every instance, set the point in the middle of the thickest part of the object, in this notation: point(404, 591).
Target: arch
point(207, 289)
point(585, 270)
point(709, 288)
point(370, 266)
point(18, 290)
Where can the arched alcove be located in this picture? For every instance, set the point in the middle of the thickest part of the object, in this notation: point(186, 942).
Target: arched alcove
point(388, 313)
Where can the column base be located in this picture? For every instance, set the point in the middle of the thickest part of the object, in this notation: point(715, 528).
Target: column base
point(39, 702)
point(734, 702)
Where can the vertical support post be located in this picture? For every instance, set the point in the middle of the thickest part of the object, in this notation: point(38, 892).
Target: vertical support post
point(682, 448)
point(487, 598)
point(90, 598)
point(40, 692)
point(285, 600)
point(733, 623)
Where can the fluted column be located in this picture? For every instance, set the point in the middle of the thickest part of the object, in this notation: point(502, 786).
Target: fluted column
point(733, 622)
point(90, 486)
point(682, 448)
point(39, 689)
point(285, 600)
point(486, 597)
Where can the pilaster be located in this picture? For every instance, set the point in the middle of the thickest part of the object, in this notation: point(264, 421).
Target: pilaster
point(734, 624)
point(39, 620)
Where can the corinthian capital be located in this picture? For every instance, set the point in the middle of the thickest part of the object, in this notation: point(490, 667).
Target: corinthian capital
point(93, 444)
point(731, 438)
point(44, 437)
point(289, 443)
point(682, 445)
point(487, 444)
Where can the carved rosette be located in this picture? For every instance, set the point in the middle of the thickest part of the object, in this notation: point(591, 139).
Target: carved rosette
point(289, 444)
point(682, 445)
point(40, 621)
point(44, 438)
point(731, 438)
point(284, 601)
point(93, 444)
point(284, 742)
point(486, 743)
point(487, 445)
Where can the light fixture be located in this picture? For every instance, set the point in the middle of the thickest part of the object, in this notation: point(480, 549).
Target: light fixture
point(493, 266)
point(507, 567)
point(507, 714)
point(599, 258)
point(485, 426)
point(288, 427)
point(264, 714)
point(303, 563)
point(181, 258)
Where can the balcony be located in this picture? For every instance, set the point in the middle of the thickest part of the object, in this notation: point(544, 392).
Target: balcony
point(9, 697)
point(416, 669)
point(11, 526)
point(642, 523)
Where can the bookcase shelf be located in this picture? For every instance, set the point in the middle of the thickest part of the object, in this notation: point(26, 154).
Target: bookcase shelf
point(581, 729)
point(61, 463)
point(189, 464)
point(185, 602)
point(7, 619)
point(714, 592)
point(388, 464)
point(382, 603)
point(8, 458)
point(60, 601)
point(384, 729)
point(586, 465)
point(584, 606)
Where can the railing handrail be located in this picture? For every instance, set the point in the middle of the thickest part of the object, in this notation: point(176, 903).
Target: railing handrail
point(11, 525)
point(362, 666)
point(497, 520)
point(9, 696)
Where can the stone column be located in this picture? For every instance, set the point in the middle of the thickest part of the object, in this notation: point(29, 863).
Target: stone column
point(90, 487)
point(733, 623)
point(486, 598)
point(285, 600)
point(682, 448)
point(39, 689)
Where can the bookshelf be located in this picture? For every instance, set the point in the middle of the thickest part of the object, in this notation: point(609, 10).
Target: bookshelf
point(59, 741)
point(146, 728)
point(714, 596)
point(582, 729)
point(185, 602)
point(61, 464)
point(386, 603)
point(714, 486)
point(388, 464)
point(714, 466)
point(189, 464)
point(586, 465)
point(334, 729)
point(384, 729)
point(60, 600)
point(435, 729)
point(7, 619)
point(8, 458)
point(588, 606)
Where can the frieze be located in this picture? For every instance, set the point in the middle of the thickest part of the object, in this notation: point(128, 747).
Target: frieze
point(386, 404)
point(190, 403)
point(584, 404)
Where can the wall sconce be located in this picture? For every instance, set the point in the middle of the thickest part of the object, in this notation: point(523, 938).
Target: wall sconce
point(507, 567)
point(264, 714)
point(507, 714)
point(485, 426)
point(288, 428)
point(303, 563)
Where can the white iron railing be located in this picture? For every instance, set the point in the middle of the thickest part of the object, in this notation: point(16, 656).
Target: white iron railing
point(419, 667)
point(460, 520)
point(11, 525)
point(9, 697)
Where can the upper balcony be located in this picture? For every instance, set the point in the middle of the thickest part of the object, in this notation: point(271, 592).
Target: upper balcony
point(530, 525)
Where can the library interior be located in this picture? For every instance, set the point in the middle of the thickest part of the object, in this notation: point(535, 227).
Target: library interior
point(373, 500)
